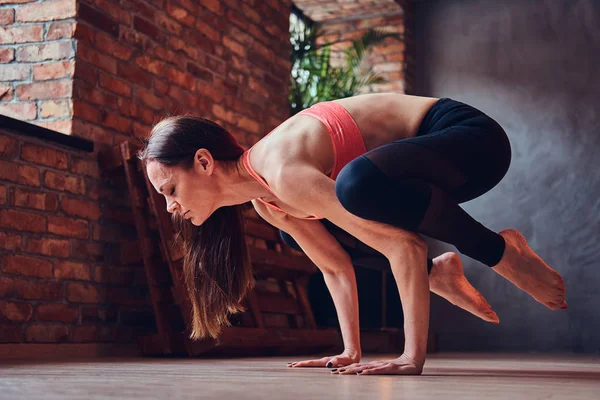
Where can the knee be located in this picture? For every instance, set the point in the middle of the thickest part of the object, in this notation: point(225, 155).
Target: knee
point(289, 240)
point(355, 184)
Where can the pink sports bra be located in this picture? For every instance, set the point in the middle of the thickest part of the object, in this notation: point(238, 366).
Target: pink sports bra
point(347, 142)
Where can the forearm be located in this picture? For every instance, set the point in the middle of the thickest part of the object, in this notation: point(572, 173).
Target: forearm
point(409, 265)
point(335, 264)
point(342, 287)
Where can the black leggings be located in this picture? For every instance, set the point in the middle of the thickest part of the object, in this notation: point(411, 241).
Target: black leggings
point(458, 154)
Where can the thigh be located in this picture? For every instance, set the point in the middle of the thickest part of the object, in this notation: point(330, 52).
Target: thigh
point(464, 161)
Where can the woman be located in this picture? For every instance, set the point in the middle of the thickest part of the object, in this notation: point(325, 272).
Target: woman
point(384, 168)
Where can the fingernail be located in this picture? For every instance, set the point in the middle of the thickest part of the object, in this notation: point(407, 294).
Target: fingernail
point(333, 370)
point(342, 370)
point(329, 364)
point(359, 372)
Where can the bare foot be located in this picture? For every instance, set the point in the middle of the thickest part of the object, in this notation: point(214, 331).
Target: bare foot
point(527, 271)
point(447, 279)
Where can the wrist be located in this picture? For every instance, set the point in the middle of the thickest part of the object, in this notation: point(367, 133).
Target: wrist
point(353, 353)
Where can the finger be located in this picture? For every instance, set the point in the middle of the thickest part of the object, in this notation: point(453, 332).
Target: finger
point(310, 363)
point(352, 369)
point(381, 370)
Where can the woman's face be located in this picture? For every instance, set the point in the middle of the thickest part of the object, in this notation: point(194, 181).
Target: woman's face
point(188, 192)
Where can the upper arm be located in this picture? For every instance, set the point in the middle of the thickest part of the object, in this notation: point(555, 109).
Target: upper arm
point(311, 235)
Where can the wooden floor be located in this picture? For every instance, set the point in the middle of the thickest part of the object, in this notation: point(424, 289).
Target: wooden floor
point(447, 376)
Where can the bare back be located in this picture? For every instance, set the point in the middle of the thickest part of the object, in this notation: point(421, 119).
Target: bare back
point(382, 118)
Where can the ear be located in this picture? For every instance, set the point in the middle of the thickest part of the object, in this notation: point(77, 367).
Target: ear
point(204, 163)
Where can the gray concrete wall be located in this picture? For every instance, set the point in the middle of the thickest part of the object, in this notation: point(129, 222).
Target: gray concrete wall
point(534, 66)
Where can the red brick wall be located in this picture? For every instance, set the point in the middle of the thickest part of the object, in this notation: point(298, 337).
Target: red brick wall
point(36, 61)
point(140, 59)
point(70, 268)
point(346, 20)
point(386, 59)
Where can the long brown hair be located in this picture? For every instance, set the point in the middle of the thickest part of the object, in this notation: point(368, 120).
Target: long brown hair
point(216, 265)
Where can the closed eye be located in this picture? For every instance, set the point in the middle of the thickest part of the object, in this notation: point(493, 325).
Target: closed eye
point(172, 191)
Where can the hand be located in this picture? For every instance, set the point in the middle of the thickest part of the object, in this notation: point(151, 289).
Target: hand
point(346, 358)
point(402, 365)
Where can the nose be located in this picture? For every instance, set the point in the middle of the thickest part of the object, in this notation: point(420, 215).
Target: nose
point(171, 207)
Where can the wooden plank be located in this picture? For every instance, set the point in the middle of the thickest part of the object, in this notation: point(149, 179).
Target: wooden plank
point(261, 230)
point(299, 264)
point(280, 303)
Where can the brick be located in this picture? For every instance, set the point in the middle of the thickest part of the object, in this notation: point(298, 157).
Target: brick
point(62, 126)
point(110, 46)
point(223, 114)
point(10, 241)
point(180, 14)
point(165, 54)
point(86, 72)
point(61, 30)
point(117, 13)
point(84, 33)
point(7, 287)
point(181, 78)
point(201, 73)
point(44, 90)
point(102, 61)
point(81, 166)
point(198, 41)
point(21, 34)
point(149, 99)
point(85, 250)
point(23, 174)
point(85, 293)
point(234, 46)
point(3, 196)
point(141, 8)
point(55, 70)
point(93, 132)
point(28, 266)
point(44, 156)
point(167, 24)
point(249, 125)
point(2, 2)
point(7, 16)
point(151, 65)
point(38, 289)
point(11, 333)
point(213, 5)
point(149, 29)
point(95, 96)
point(80, 208)
point(6, 94)
point(23, 111)
point(72, 270)
point(22, 221)
point(118, 123)
point(55, 109)
point(56, 312)
point(48, 10)
point(86, 111)
point(137, 39)
point(17, 312)
point(7, 55)
point(35, 200)
point(114, 85)
point(179, 45)
point(135, 75)
point(62, 182)
point(46, 333)
point(49, 247)
point(70, 227)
